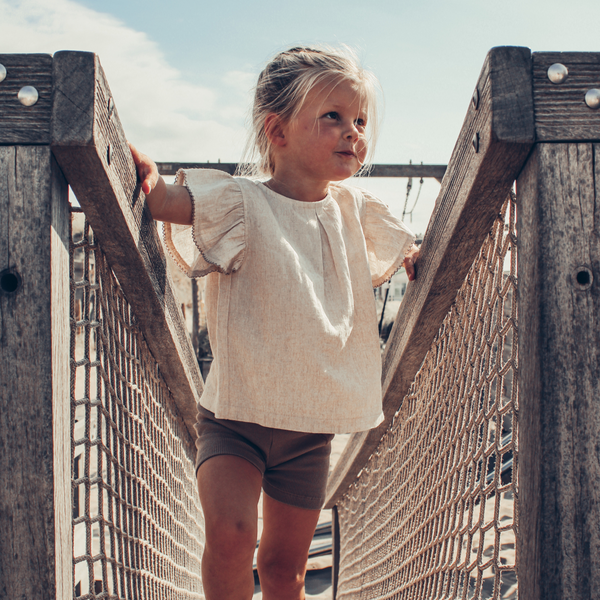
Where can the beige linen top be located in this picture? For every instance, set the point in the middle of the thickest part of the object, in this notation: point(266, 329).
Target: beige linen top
point(290, 305)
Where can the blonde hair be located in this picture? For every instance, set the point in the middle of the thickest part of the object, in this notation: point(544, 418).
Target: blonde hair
point(282, 89)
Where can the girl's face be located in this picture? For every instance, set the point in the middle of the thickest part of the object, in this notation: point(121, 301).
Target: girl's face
point(326, 140)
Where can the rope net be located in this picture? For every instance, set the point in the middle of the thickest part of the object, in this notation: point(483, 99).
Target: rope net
point(137, 522)
point(432, 515)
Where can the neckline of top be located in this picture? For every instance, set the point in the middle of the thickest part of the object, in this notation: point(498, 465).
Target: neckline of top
point(293, 201)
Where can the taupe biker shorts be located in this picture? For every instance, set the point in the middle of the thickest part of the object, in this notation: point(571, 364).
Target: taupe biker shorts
point(294, 465)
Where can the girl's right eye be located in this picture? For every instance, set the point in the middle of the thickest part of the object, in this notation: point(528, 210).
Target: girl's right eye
point(332, 115)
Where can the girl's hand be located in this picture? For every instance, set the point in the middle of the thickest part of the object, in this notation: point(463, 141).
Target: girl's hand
point(410, 262)
point(170, 203)
point(146, 168)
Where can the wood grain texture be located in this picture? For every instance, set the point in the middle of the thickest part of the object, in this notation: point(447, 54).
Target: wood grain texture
point(473, 190)
point(435, 171)
point(25, 124)
point(561, 114)
point(35, 457)
point(90, 146)
point(559, 373)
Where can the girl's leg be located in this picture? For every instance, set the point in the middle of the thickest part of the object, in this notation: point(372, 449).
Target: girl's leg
point(229, 488)
point(283, 551)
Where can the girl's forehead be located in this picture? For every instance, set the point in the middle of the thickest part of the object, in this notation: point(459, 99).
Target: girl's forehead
point(343, 93)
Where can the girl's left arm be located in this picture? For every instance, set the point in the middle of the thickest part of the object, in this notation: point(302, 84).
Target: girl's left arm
point(410, 262)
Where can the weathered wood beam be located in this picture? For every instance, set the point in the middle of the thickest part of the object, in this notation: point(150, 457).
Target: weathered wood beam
point(559, 370)
point(25, 124)
point(35, 410)
point(561, 114)
point(91, 149)
point(380, 170)
point(496, 137)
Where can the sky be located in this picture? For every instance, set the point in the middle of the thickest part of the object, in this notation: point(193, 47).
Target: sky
point(182, 71)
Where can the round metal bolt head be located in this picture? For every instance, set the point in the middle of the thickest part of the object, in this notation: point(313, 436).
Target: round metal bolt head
point(557, 73)
point(28, 95)
point(2, 72)
point(592, 98)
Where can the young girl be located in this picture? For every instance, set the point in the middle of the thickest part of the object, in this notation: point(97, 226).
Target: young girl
point(291, 262)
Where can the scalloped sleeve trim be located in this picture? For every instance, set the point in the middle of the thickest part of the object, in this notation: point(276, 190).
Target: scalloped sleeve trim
point(216, 240)
point(388, 239)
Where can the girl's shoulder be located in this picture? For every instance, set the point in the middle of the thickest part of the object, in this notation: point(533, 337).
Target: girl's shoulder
point(347, 193)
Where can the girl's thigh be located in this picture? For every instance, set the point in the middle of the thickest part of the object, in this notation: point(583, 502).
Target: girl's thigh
point(229, 488)
point(287, 534)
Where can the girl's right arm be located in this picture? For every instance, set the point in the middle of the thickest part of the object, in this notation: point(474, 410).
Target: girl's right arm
point(170, 203)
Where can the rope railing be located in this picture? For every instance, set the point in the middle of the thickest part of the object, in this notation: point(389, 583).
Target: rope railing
point(137, 521)
point(432, 513)
point(483, 478)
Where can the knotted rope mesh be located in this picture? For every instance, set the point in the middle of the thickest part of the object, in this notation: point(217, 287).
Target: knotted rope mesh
point(137, 523)
point(432, 515)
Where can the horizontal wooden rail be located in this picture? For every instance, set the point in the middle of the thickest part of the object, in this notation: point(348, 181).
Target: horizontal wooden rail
point(497, 135)
point(435, 171)
point(90, 146)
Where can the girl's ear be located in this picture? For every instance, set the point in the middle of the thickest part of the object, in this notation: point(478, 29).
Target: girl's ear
point(274, 130)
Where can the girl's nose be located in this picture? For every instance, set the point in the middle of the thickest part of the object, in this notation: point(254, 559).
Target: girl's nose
point(351, 132)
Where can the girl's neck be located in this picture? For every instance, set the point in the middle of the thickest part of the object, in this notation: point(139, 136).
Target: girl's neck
point(302, 190)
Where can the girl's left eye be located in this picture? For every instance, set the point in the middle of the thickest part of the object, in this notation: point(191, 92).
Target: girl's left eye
point(360, 122)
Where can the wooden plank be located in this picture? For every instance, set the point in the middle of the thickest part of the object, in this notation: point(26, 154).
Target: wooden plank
point(90, 146)
point(25, 124)
point(35, 410)
point(559, 373)
point(435, 171)
point(561, 114)
point(473, 190)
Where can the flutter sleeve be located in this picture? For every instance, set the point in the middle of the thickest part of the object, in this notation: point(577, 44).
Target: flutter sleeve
point(216, 241)
point(388, 239)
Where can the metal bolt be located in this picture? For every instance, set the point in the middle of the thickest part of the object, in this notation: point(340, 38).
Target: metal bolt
point(28, 95)
point(583, 278)
point(557, 73)
point(2, 72)
point(111, 107)
point(592, 98)
point(475, 142)
point(475, 98)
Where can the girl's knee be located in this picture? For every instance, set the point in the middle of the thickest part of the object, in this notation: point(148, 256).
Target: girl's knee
point(281, 573)
point(231, 539)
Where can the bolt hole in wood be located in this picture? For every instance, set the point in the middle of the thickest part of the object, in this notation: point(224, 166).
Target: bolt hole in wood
point(583, 278)
point(10, 282)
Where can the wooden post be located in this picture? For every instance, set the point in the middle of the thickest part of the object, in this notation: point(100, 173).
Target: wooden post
point(35, 457)
point(559, 338)
point(335, 550)
point(559, 373)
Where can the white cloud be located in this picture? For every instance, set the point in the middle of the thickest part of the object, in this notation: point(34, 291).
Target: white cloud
point(164, 115)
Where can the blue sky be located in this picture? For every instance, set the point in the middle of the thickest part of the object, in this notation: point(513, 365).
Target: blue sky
point(182, 71)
